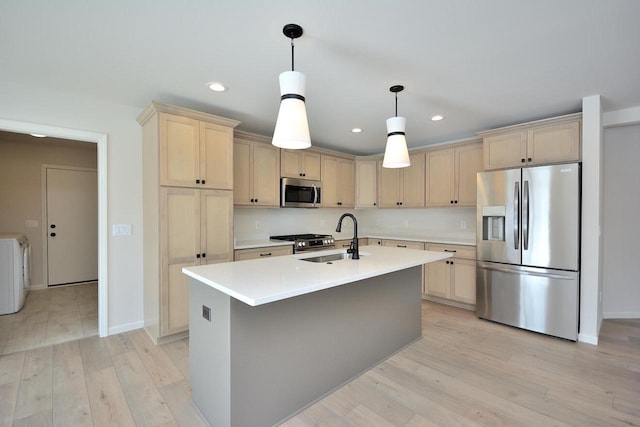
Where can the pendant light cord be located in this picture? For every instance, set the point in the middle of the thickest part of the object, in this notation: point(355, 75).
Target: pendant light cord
point(292, 46)
point(396, 104)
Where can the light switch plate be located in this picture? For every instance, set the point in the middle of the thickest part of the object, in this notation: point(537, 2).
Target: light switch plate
point(206, 313)
point(121, 230)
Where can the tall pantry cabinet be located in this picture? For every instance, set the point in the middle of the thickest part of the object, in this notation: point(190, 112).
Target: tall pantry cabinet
point(187, 167)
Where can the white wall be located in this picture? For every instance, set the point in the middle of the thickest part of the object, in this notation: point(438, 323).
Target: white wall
point(621, 233)
point(250, 223)
point(35, 105)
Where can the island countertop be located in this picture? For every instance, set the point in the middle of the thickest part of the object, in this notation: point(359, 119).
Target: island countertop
point(261, 281)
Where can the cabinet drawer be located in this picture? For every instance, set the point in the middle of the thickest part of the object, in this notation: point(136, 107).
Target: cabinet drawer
point(263, 252)
point(459, 251)
point(403, 244)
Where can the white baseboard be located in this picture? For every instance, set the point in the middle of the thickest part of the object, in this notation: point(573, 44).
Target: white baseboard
point(126, 327)
point(621, 315)
point(588, 339)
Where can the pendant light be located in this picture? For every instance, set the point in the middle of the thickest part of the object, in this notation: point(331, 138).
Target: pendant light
point(292, 128)
point(396, 154)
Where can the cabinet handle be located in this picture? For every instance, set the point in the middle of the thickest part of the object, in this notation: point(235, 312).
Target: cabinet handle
point(375, 204)
point(522, 160)
point(447, 262)
point(256, 200)
point(451, 262)
point(197, 255)
point(197, 181)
point(450, 250)
point(204, 255)
point(53, 234)
point(451, 201)
point(267, 254)
point(401, 246)
point(529, 159)
point(203, 181)
point(455, 201)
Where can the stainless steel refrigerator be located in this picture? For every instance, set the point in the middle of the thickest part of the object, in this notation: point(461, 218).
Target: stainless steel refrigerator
point(528, 247)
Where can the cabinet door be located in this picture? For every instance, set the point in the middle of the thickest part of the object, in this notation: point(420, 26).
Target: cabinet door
point(413, 180)
point(290, 164)
point(311, 165)
point(388, 187)
point(505, 151)
point(330, 181)
point(403, 244)
point(180, 242)
point(346, 183)
point(179, 150)
point(463, 282)
point(216, 156)
point(440, 177)
point(216, 226)
point(366, 186)
point(468, 160)
point(437, 279)
point(242, 173)
point(554, 144)
point(266, 175)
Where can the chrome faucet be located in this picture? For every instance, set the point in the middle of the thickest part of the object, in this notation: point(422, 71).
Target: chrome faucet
point(353, 247)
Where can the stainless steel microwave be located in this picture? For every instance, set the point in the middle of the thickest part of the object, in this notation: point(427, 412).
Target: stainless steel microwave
point(300, 193)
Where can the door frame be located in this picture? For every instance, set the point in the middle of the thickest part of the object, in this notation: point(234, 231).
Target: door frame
point(45, 231)
point(103, 228)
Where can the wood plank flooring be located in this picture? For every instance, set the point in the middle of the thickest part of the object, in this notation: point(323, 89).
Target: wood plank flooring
point(464, 372)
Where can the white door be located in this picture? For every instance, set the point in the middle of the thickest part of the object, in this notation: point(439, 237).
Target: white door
point(72, 225)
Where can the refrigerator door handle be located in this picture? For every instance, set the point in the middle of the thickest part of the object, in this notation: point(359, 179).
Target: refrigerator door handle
point(516, 215)
point(525, 216)
point(523, 271)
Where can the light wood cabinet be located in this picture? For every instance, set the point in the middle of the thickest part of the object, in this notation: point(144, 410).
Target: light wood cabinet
point(187, 168)
point(300, 164)
point(451, 175)
point(256, 166)
point(402, 187)
point(555, 140)
point(346, 243)
point(403, 244)
point(195, 153)
point(196, 229)
point(366, 183)
point(452, 281)
point(262, 252)
point(338, 182)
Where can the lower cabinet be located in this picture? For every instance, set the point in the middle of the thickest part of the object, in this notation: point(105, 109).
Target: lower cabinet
point(262, 252)
point(196, 228)
point(403, 244)
point(452, 281)
point(346, 243)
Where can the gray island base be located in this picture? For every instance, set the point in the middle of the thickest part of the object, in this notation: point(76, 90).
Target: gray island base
point(260, 365)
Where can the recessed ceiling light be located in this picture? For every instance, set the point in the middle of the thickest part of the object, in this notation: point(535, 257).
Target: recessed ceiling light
point(38, 135)
point(216, 87)
point(437, 118)
point(356, 130)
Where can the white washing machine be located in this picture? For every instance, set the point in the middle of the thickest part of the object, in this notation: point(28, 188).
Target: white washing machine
point(14, 271)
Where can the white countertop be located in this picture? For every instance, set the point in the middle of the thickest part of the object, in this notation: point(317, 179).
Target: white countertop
point(260, 243)
point(447, 239)
point(261, 281)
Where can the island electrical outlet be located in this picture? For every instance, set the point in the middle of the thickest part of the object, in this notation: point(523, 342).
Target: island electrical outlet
point(206, 313)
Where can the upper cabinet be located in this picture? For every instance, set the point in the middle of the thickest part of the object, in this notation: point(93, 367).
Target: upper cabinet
point(300, 164)
point(555, 140)
point(195, 152)
point(451, 175)
point(338, 182)
point(256, 171)
point(366, 183)
point(402, 187)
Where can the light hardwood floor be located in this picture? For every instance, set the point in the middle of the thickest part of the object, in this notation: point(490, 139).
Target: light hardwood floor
point(464, 372)
point(51, 316)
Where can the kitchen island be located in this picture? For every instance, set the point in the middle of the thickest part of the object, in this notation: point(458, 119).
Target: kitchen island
point(268, 337)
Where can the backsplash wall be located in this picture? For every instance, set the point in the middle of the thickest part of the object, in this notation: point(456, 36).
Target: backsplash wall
point(256, 223)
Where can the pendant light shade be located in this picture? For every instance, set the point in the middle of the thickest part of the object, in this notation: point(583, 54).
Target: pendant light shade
point(292, 129)
point(292, 126)
point(396, 154)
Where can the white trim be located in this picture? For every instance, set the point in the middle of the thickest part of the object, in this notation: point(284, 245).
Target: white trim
point(103, 226)
point(588, 339)
point(628, 116)
point(621, 315)
point(126, 327)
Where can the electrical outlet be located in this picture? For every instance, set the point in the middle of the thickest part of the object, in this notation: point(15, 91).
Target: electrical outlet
point(206, 313)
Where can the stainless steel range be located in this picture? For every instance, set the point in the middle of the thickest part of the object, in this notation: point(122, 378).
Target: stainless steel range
point(308, 242)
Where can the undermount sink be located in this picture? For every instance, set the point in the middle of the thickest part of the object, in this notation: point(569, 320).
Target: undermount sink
point(329, 258)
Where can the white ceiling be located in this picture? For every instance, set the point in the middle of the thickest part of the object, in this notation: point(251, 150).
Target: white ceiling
point(480, 63)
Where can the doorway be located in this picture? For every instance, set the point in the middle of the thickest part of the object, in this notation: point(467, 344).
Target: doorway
point(70, 232)
point(101, 140)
